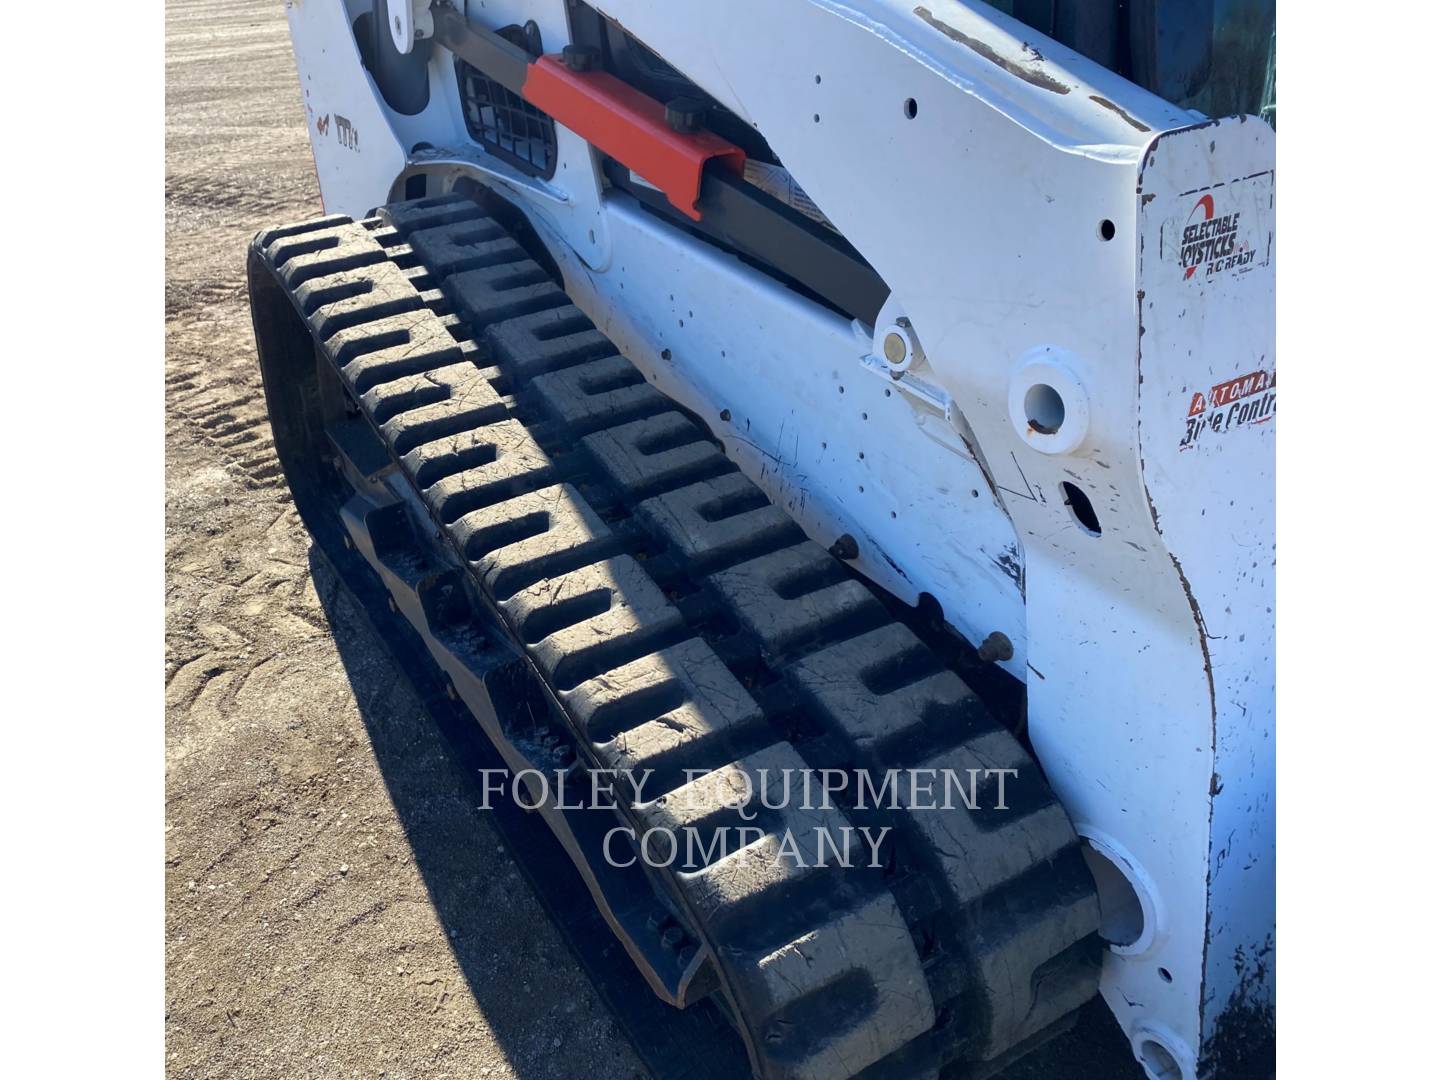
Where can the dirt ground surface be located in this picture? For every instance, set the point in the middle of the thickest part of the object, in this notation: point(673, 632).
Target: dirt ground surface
point(301, 939)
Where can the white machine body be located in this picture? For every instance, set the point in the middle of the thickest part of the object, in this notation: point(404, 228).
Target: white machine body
point(1076, 448)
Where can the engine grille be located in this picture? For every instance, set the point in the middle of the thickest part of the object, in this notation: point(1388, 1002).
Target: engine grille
point(505, 124)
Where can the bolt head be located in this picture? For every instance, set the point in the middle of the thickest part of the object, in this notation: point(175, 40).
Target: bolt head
point(580, 57)
point(685, 114)
point(996, 646)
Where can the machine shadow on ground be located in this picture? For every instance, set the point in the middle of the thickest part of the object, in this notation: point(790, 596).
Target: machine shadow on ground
point(430, 765)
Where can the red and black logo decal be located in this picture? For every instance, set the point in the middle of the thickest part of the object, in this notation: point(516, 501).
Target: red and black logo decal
point(1239, 402)
point(1211, 242)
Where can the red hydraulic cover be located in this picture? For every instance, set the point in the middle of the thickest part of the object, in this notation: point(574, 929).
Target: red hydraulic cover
point(630, 127)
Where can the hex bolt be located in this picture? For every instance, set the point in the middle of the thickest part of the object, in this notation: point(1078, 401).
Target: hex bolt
point(845, 547)
point(685, 114)
point(580, 57)
point(672, 937)
point(995, 647)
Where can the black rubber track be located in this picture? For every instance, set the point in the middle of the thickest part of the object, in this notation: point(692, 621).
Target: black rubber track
point(684, 625)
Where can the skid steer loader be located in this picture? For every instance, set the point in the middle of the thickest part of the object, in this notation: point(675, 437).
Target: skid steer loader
point(863, 395)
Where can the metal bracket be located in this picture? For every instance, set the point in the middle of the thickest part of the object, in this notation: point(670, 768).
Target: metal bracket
point(410, 21)
point(631, 127)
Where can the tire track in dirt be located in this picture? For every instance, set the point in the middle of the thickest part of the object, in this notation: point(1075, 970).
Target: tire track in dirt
point(226, 409)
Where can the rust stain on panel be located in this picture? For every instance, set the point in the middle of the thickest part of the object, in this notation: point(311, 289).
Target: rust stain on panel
point(1034, 78)
point(1108, 104)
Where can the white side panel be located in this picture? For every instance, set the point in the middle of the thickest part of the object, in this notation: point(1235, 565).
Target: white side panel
point(1207, 423)
point(356, 151)
point(781, 382)
point(1005, 217)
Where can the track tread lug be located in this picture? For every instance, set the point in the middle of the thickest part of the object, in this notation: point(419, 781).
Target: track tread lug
point(680, 702)
point(429, 212)
point(546, 340)
point(516, 464)
point(708, 523)
point(267, 237)
point(603, 393)
point(797, 598)
point(390, 348)
point(655, 454)
point(492, 294)
point(536, 535)
point(847, 682)
point(300, 257)
point(596, 617)
point(859, 938)
point(465, 245)
point(353, 297)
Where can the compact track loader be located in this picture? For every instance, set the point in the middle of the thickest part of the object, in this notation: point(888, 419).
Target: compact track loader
point(856, 395)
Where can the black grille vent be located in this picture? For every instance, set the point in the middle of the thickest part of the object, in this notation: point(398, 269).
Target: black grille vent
point(506, 124)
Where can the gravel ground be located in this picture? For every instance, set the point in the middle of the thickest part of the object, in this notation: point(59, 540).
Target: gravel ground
point(301, 938)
